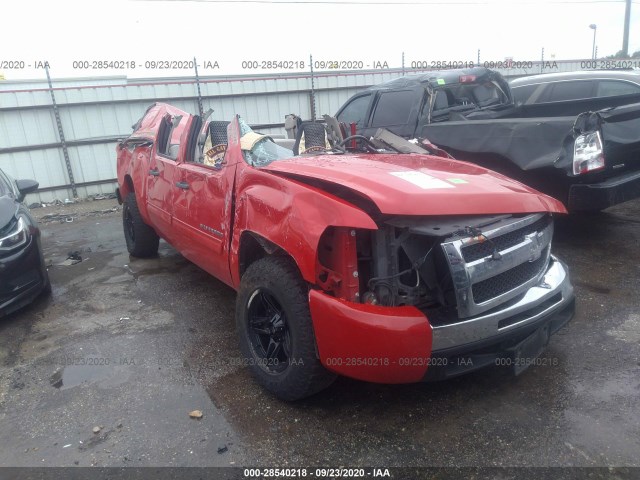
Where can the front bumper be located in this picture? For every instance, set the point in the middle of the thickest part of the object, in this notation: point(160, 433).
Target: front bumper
point(399, 344)
point(598, 196)
point(23, 276)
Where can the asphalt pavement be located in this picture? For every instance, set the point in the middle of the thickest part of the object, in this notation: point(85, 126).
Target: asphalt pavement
point(106, 371)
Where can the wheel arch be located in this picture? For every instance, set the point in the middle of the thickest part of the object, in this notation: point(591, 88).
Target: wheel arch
point(288, 215)
point(254, 247)
point(127, 187)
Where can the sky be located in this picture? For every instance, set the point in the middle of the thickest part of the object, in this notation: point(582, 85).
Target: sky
point(72, 35)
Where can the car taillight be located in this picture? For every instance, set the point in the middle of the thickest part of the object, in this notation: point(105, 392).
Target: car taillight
point(467, 78)
point(588, 154)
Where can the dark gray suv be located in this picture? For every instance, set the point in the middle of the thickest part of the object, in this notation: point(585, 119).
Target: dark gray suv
point(572, 93)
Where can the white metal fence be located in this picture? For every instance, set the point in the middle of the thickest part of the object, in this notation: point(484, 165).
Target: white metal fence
point(94, 113)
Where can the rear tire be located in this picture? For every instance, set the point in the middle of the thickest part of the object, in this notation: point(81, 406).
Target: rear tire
point(276, 332)
point(142, 240)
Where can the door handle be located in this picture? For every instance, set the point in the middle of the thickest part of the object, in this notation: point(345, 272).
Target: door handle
point(182, 185)
point(155, 172)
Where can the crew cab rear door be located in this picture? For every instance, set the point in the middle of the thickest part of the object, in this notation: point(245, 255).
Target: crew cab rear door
point(161, 172)
point(202, 199)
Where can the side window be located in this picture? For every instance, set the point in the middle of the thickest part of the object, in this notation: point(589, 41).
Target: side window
point(613, 88)
point(169, 137)
point(163, 136)
point(487, 94)
point(393, 108)
point(355, 111)
point(174, 139)
point(523, 94)
point(570, 90)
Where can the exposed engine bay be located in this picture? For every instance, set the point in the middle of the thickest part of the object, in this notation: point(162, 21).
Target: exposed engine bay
point(459, 267)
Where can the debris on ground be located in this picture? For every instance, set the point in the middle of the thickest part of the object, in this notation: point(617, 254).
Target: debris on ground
point(222, 449)
point(102, 212)
point(197, 414)
point(75, 255)
point(97, 429)
point(102, 196)
point(60, 217)
point(52, 203)
point(72, 258)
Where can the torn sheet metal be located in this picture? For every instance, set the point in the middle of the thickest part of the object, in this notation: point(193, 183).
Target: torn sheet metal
point(532, 143)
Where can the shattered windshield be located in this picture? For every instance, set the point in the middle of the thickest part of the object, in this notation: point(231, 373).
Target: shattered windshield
point(259, 150)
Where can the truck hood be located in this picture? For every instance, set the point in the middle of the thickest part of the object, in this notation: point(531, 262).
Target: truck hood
point(414, 184)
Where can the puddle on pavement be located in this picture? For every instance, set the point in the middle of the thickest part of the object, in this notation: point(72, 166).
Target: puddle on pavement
point(155, 266)
point(119, 279)
point(74, 375)
point(592, 287)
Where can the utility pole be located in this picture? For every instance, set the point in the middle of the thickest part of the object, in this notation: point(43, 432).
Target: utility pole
point(63, 142)
point(200, 110)
point(593, 27)
point(627, 20)
point(313, 91)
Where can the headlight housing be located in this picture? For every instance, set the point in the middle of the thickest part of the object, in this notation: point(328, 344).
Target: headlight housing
point(16, 238)
point(588, 154)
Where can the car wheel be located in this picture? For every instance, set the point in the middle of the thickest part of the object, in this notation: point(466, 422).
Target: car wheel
point(275, 330)
point(142, 240)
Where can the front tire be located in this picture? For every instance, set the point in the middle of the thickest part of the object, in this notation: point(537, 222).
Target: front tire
point(276, 332)
point(142, 240)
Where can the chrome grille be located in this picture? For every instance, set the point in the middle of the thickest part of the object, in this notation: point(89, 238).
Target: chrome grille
point(482, 280)
point(507, 281)
point(480, 250)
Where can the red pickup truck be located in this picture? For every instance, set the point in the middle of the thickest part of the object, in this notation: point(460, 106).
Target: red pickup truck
point(382, 266)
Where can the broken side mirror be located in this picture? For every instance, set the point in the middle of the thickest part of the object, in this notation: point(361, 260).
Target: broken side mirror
point(25, 187)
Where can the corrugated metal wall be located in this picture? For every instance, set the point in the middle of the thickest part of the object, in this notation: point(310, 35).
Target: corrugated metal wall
point(94, 116)
point(96, 112)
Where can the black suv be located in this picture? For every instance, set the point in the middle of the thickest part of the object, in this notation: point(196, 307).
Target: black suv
point(576, 92)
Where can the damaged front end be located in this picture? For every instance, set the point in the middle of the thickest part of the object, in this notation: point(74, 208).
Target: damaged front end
point(468, 285)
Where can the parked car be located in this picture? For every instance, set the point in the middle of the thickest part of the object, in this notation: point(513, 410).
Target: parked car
point(564, 94)
point(382, 266)
point(23, 274)
point(589, 158)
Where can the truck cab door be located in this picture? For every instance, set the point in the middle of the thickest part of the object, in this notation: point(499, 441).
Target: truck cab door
point(161, 172)
point(357, 111)
point(202, 200)
point(396, 111)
